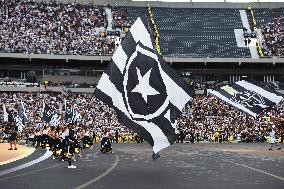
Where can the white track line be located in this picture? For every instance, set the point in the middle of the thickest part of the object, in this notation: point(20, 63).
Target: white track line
point(13, 169)
point(28, 173)
point(257, 170)
point(101, 176)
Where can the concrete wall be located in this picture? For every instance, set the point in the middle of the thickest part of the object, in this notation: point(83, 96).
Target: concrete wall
point(75, 79)
point(169, 59)
point(48, 89)
point(59, 89)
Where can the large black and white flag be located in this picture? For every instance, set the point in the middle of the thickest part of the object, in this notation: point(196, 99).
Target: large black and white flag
point(147, 94)
point(247, 97)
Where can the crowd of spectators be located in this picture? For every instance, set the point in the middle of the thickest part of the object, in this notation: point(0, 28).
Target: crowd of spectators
point(210, 119)
point(273, 42)
point(53, 28)
point(120, 19)
point(94, 115)
point(75, 29)
point(46, 84)
point(203, 119)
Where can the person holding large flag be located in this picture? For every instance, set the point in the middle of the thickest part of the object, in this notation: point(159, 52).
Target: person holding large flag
point(147, 94)
point(13, 137)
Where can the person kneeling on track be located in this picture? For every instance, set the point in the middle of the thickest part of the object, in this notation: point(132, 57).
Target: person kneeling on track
point(87, 142)
point(106, 144)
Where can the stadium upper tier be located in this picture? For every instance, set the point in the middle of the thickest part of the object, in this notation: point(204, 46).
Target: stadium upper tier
point(197, 32)
point(74, 29)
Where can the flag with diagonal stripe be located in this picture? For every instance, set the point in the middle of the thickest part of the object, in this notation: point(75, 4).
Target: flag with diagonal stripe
point(248, 97)
point(147, 94)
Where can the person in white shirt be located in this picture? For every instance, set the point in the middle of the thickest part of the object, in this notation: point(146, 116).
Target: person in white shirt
point(272, 138)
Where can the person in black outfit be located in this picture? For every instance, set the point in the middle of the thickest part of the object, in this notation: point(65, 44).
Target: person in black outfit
point(181, 136)
point(13, 138)
point(106, 144)
point(116, 136)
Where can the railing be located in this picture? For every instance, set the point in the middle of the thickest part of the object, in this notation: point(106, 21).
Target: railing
point(168, 58)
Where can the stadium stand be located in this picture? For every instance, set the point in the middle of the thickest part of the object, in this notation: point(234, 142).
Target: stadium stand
point(196, 32)
point(53, 28)
point(271, 24)
point(74, 29)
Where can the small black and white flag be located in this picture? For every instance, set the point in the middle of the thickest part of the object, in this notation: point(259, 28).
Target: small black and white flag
point(68, 92)
point(247, 97)
point(22, 117)
point(19, 123)
point(47, 113)
point(147, 94)
point(55, 120)
point(69, 112)
point(50, 116)
point(22, 112)
point(77, 117)
point(71, 115)
point(8, 115)
point(5, 113)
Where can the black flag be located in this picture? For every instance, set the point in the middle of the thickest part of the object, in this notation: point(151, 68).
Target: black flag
point(147, 94)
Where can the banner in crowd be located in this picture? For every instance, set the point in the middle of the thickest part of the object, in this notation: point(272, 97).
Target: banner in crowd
point(247, 97)
point(147, 94)
point(50, 116)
